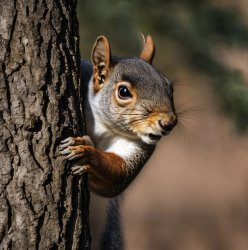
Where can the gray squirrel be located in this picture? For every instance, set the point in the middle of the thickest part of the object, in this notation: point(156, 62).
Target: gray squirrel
point(128, 106)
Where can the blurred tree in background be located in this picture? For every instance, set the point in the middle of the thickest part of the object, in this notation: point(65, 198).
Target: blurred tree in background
point(191, 30)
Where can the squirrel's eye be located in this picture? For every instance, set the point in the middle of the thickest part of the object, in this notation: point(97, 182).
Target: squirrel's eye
point(124, 93)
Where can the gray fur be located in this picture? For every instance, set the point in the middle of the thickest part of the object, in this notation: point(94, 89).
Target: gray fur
point(154, 89)
point(112, 236)
point(155, 92)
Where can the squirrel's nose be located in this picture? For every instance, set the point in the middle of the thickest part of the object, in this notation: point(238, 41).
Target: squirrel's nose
point(166, 125)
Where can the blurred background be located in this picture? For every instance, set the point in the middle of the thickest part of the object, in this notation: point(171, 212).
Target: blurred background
point(193, 193)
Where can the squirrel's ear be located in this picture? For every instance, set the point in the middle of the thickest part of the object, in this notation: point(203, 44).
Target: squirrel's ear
point(148, 51)
point(101, 59)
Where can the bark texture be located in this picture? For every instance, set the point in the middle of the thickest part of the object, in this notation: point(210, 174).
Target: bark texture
point(42, 206)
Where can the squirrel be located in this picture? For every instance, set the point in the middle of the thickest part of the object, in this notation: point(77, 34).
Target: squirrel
point(128, 107)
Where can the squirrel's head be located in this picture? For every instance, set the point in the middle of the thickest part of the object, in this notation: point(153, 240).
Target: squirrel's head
point(131, 96)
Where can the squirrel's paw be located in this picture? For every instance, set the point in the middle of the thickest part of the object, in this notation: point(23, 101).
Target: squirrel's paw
point(79, 170)
point(75, 141)
point(72, 152)
point(76, 152)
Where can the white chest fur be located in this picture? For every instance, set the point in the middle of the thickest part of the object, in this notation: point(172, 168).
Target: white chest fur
point(109, 142)
point(123, 147)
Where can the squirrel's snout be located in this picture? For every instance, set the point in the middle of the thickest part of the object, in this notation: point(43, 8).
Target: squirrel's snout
point(167, 125)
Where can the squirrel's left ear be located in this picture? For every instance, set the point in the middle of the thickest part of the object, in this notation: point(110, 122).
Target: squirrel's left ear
point(148, 51)
point(101, 59)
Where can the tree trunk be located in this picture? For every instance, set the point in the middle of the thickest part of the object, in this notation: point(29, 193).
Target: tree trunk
point(42, 206)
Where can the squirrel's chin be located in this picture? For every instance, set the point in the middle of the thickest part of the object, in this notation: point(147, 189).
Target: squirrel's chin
point(146, 138)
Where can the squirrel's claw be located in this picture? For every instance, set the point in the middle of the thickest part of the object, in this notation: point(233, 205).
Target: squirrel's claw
point(79, 170)
point(73, 156)
point(65, 151)
point(67, 142)
point(73, 152)
point(75, 141)
point(69, 139)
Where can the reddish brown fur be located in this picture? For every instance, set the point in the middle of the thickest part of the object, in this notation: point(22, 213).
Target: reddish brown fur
point(101, 58)
point(96, 81)
point(148, 52)
point(150, 121)
point(107, 170)
point(80, 141)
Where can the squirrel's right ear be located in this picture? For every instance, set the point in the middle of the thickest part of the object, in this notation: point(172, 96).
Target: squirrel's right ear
point(101, 59)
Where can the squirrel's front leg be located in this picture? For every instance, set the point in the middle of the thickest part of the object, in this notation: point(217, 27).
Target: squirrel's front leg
point(107, 171)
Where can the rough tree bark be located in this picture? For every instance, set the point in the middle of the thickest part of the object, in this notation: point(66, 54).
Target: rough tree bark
point(42, 206)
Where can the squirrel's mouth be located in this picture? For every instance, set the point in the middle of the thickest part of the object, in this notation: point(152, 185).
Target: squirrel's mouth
point(155, 137)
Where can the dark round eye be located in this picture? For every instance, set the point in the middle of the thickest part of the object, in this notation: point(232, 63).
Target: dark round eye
point(124, 93)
